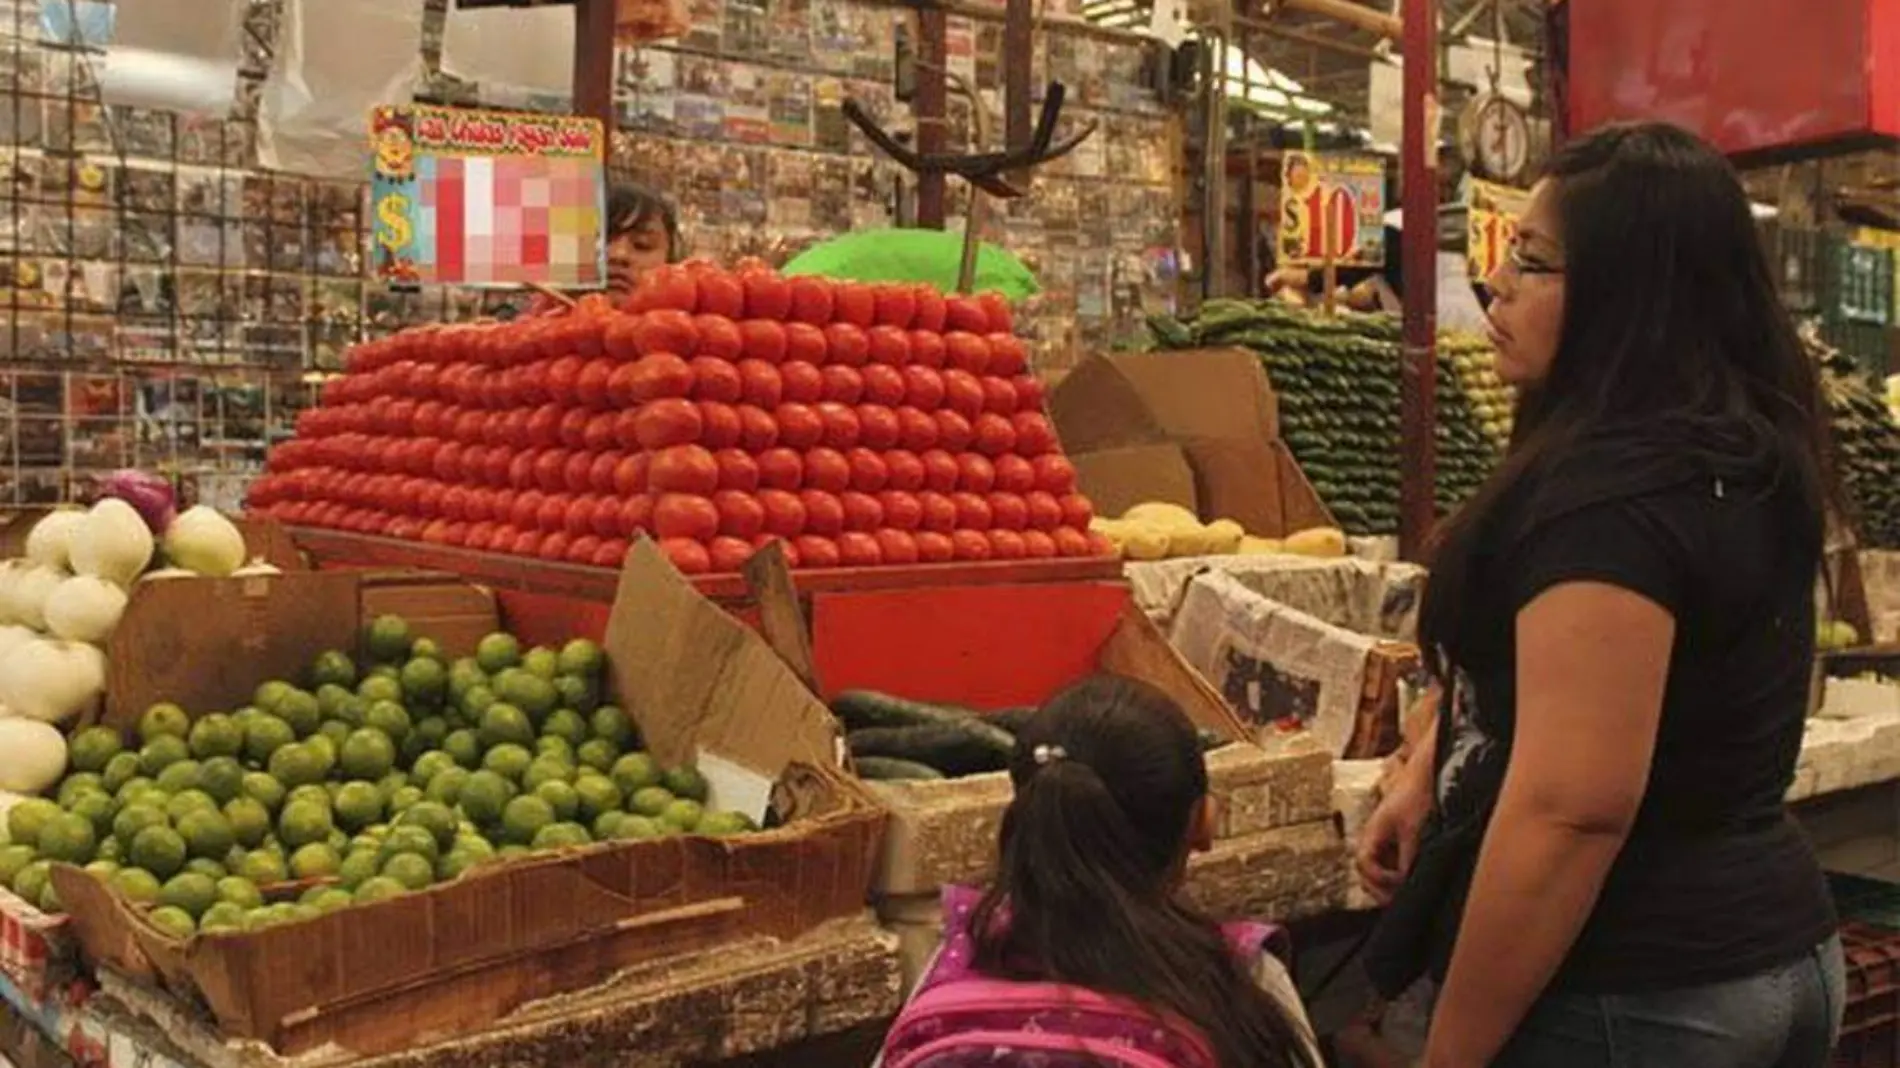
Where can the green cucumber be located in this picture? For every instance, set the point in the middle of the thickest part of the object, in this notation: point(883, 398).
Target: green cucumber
point(1012, 720)
point(866, 708)
point(964, 748)
point(891, 769)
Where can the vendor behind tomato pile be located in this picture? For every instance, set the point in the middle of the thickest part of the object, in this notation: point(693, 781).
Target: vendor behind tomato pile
point(643, 232)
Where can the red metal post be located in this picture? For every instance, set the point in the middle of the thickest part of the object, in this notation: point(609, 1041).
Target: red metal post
point(1418, 366)
point(929, 106)
point(594, 60)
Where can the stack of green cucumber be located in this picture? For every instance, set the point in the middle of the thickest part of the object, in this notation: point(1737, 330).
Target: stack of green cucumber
point(1337, 381)
point(1866, 445)
point(893, 739)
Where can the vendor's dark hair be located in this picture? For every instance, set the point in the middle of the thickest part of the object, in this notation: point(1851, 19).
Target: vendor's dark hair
point(1091, 847)
point(631, 206)
point(1675, 352)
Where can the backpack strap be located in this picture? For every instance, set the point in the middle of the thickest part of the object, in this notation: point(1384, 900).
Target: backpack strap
point(952, 961)
point(1249, 940)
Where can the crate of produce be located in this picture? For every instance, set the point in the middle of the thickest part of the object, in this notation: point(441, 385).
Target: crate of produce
point(418, 848)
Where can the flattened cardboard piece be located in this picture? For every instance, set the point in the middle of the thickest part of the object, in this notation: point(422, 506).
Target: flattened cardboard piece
point(1237, 478)
point(1115, 480)
point(1203, 393)
point(1300, 505)
point(1097, 407)
point(696, 678)
point(204, 643)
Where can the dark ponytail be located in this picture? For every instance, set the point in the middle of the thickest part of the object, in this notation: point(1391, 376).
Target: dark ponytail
point(1108, 776)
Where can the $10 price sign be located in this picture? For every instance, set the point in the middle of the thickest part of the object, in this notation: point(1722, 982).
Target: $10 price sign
point(1492, 212)
point(1332, 203)
point(487, 198)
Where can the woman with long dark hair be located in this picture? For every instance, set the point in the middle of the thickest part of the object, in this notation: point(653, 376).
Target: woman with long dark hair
point(1592, 855)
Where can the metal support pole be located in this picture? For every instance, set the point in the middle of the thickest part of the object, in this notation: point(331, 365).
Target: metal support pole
point(929, 106)
point(1019, 51)
point(1419, 363)
point(594, 61)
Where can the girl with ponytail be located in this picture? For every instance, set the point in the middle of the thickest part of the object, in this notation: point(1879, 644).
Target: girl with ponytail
point(1080, 952)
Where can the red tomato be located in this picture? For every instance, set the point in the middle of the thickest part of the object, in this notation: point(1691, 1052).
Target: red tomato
point(896, 304)
point(781, 468)
point(884, 385)
point(577, 472)
point(550, 470)
point(1014, 474)
point(799, 425)
point(953, 431)
point(599, 435)
point(684, 469)
point(672, 421)
point(1071, 542)
point(999, 395)
point(1076, 510)
point(824, 513)
point(967, 352)
point(917, 431)
point(906, 471)
point(590, 385)
point(802, 382)
point(758, 431)
point(975, 473)
point(544, 427)
point(612, 553)
point(805, 343)
point(784, 513)
point(721, 294)
point(996, 308)
point(1038, 545)
point(630, 474)
point(842, 426)
point(857, 548)
point(816, 552)
point(995, 435)
point(607, 516)
point(763, 339)
point(878, 426)
point(680, 515)
point(523, 509)
point(722, 425)
point(579, 517)
point(889, 346)
point(843, 385)
point(554, 546)
point(495, 466)
point(923, 388)
point(627, 428)
point(812, 300)
point(1043, 510)
point(728, 555)
point(927, 349)
point(897, 546)
point(826, 469)
point(716, 380)
point(934, 547)
point(552, 515)
point(686, 555)
point(1034, 436)
point(963, 393)
point(1009, 511)
point(965, 313)
point(737, 470)
point(600, 473)
point(973, 511)
point(622, 383)
point(930, 309)
point(760, 384)
point(666, 330)
point(767, 296)
point(846, 343)
point(662, 374)
point(1007, 545)
point(869, 472)
point(941, 470)
point(636, 515)
point(861, 511)
point(1009, 357)
point(971, 545)
point(1054, 473)
point(468, 426)
point(854, 303)
point(902, 511)
point(563, 378)
point(939, 511)
point(618, 342)
point(740, 515)
point(573, 428)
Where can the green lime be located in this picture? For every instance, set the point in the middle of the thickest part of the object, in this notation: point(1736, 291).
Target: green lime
point(635, 772)
point(12, 859)
point(207, 834)
point(476, 701)
point(541, 661)
point(298, 765)
point(638, 827)
point(141, 789)
point(91, 749)
point(508, 760)
point(216, 735)
point(387, 639)
point(222, 918)
point(367, 755)
point(546, 770)
point(484, 795)
point(598, 754)
point(183, 775)
point(582, 657)
point(430, 732)
point(379, 688)
point(610, 723)
point(134, 818)
point(314, 861)
point(264, 790)
point(390, 718)
point(163, 720)
point(339, 702)
point(303, 823)
point(550, 745)
point(174, 922)
point(263, 867)
point(446, 785)
point(191, 892)
point(576, 692)
point(265, 735)
point(136, 885)
point(300, 709)
point(360, 865)
point(98, 809)
point(569, 725)
point(455, 865)
point(685, 781)
point(332, 667)
point(205, 866)
point(531, 693)
point(69, 838)
point(434, 817)
point(723, 824)
point(359, 804)
point(560, 797)
point(650, 801)
point(334, 733)
point(523, 818)
point(110, 849)
point(240, 891)
point(381, 888)
point(559, 835)
point(330, 899)
point(463, 674)
point(222, 777)
point(411, 839)
point(159, 850)
point(268, 694)
point(120, 770)
point(31, 881)
point(597, 795)
point(498, 652)
point(177, 805)
point(425, 682)
point(412, 870)
point(162, 752)
point(683, 814)
point(505, 724)
point(606, 824)
point(402, 799)
point(426, 648)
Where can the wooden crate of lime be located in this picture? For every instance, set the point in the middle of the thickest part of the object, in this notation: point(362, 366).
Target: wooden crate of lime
point(398, 842)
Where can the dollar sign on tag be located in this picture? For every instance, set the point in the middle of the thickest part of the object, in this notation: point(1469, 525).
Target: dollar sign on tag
point(393, 215)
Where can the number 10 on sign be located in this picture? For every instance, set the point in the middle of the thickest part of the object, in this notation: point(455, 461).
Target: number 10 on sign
point(1332, 210)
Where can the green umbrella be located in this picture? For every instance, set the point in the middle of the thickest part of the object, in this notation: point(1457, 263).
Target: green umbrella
point(930, 256)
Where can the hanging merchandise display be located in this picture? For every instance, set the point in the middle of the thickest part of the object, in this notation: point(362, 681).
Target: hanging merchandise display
point(1866, 444)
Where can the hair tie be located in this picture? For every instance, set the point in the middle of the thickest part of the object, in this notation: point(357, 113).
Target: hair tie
point(1043, 754)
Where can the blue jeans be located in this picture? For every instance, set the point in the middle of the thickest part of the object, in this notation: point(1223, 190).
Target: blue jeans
point(1785, 1018)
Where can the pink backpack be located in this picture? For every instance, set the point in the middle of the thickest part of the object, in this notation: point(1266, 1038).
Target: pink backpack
point(960, 1019)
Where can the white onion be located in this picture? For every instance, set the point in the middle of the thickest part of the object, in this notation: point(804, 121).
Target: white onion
point(10, 573)
point(30, 590)
point(84, 609)
point(12, 636)
point(32, 756)
point(52, 681)
point(49, 540)
point(167, 573)
point(112, 543)
point(202, 540)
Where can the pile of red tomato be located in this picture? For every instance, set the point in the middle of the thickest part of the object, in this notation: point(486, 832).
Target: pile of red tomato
point(859, 424)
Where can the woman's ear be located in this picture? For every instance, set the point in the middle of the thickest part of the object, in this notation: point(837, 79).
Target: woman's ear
point(1201, 826)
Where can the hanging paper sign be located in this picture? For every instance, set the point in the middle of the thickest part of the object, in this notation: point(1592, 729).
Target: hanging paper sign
point(1491, 212)
point(487, 198)
point(1332, 203)
point(1889, 240)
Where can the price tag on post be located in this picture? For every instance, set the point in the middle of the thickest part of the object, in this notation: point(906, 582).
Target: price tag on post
point(1492, 212)
point(1332, 203)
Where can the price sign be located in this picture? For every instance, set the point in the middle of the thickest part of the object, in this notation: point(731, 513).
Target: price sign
point(1889, 240)
point(1492, 212)
point(1332, 206)
point(487, 198)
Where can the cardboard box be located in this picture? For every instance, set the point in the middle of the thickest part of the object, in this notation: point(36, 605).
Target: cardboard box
point(382, 977)
point(1132, 423)
point(1008, 646)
